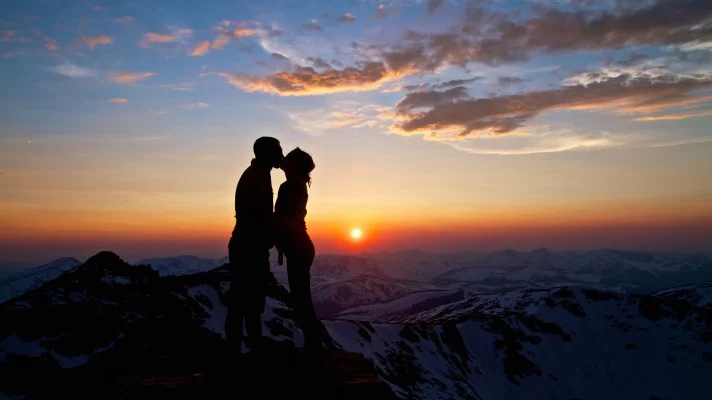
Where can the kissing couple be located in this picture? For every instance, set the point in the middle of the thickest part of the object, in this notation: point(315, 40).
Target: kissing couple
point(258, 228)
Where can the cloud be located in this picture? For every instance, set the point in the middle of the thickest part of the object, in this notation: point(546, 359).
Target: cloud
point(312, 26)
point(73, 71)
point(118, 100)
point(308, 81)
point(441, 85)
point(537, 140)
point(129, 77)
point(675, 117)
point(200, 49)
point(7, 55)
point(221, 41)
point(383, 11)
point(348, 17)
point(176, 35)
point(509, 80)
point(93, 41)
point(455, 113)
point(337, 115)
point(493, 38)
point(319, 63)
point(434, 5)
point(243, 32)
point(125, 20)
point(201, 105)
point(226, 35)
point(180, 87)
point(10, 35)
point(152, 37)
point(279, 57)
point(51, 46)
point(204, 72)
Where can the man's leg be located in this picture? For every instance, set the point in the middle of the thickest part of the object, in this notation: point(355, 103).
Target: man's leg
point(253, 324)
point(234, 321)
point(235, 306)
point(256, 291)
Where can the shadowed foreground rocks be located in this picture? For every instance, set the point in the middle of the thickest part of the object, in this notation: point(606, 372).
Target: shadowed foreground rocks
point(290, 373)
point(110, 330)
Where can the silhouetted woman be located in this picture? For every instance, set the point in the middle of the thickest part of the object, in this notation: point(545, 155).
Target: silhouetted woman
point(294, 242)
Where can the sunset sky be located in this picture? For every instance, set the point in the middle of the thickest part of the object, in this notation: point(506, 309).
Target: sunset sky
point(436, 125)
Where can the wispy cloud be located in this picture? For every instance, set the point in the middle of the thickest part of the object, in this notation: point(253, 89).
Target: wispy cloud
point(125, 20)
point(93, 41)
point(176, 35)
point(675, 117)
point(200, 49)
point(337, 115)
point(312, 26)
point(129, 77)
point(192, 106)
point(10, 35)
point(227, 32)
point(118, 100)
point(180, 87)
point(348, 17)
point(152, 37)
point(73, 71)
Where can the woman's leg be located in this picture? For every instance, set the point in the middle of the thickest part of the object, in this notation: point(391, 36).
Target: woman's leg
point(298, 266)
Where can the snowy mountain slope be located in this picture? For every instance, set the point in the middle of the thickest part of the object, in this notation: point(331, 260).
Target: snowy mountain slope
point(699, 294)
point(32, 278)
point(402, 306)
point(331, 297)
point(549, 344)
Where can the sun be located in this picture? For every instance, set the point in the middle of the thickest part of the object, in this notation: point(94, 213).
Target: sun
point(356, 233)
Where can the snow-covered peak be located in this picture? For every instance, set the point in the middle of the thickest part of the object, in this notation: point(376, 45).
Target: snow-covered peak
point(33, 278)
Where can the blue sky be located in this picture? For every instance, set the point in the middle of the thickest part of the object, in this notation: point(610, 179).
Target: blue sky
point(140, 116)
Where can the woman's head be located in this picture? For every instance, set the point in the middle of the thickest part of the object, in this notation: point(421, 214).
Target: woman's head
point(298, 164)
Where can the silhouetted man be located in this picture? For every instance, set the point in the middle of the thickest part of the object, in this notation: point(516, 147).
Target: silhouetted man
point(249, 246)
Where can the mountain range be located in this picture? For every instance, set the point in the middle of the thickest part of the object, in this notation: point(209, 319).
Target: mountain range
point(560, 342)
point(348, 284)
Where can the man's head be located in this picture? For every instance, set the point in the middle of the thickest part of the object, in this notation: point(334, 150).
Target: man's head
point(268, 149)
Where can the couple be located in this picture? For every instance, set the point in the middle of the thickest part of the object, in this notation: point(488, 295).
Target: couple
point(257, 229)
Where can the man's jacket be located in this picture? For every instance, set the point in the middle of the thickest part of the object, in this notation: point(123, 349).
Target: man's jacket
point(253, 206)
